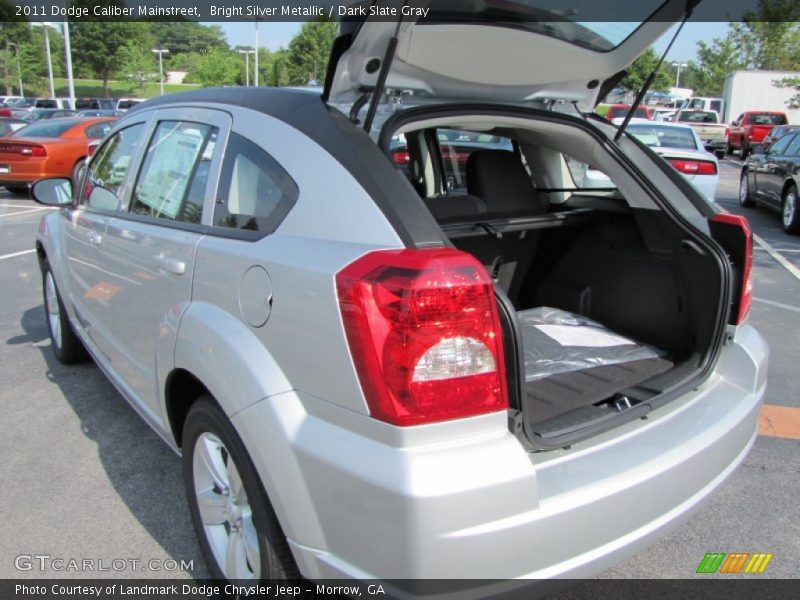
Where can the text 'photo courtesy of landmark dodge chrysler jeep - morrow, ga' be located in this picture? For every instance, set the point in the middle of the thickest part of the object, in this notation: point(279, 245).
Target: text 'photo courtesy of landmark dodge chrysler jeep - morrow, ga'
point(475, 370)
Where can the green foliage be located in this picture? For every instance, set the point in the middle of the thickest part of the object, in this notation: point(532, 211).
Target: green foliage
point(640, 70)
point(308, 53)
point(217, 68)
point(767, 39)
point(97, 46)
point(139, 64)
point(186, 37)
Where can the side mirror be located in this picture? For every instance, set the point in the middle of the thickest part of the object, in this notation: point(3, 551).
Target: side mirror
point(759, 149)
point(55, 191)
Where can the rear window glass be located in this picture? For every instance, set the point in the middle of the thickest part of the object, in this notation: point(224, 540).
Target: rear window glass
point(622, 111)
point(767, 119)
point(49, 129)
point(126, 104)
point(699, 116)
point(663, 136)
point(86, 103)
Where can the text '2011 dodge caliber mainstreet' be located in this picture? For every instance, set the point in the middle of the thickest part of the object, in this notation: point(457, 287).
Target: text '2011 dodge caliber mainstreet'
point(393, 330)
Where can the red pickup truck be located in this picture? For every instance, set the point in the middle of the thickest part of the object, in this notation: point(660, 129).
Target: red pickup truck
point(751, 128)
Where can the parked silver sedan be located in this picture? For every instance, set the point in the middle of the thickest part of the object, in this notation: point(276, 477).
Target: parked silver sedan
point(381, 373)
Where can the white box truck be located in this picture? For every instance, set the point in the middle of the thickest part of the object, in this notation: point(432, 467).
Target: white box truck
point(756, 90)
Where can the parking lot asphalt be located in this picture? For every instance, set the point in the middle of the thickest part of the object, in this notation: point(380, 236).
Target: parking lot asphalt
point(85, 478)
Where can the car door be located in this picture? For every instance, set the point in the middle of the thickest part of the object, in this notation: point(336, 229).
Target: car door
point(101, 194)
point(154, 243)
point(772, 172)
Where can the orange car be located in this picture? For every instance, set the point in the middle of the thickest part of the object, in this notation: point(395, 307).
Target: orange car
point(51, 148)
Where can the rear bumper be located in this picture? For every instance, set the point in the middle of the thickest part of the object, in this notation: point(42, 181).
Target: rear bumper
point(483, 508)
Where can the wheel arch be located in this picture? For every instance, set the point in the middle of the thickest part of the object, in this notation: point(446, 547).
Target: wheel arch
point(790, 181)
point(181, 390)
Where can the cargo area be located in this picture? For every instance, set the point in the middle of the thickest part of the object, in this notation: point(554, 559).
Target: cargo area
point(607, 305)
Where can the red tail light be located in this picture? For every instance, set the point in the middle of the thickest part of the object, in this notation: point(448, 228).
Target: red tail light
point(734, 234)
point(33, 151)
point(92, 149)
point(424, 333)
point(401, 157)
point(727, 133)
point(23, 149)
point(694, 167)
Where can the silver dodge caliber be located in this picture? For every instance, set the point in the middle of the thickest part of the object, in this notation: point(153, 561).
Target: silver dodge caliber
point(402, 329)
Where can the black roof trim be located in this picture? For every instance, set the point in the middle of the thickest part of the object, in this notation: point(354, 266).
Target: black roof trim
point(347, 143)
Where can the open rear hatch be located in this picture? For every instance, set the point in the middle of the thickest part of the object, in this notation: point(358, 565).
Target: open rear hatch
point(529, 52)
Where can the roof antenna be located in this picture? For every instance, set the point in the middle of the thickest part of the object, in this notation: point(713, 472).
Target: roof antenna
point(640, 96)
point(388, 57)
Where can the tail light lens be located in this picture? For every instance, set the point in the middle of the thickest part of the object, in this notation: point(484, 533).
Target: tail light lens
point(401, 157)
point(424, 333)
point(92, 149)
point(735, 236)
point(33, 151)
point(23, 149)
point(727, 133)
point(694, 167)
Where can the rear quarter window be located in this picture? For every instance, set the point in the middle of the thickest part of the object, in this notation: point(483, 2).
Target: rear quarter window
point(255, 193)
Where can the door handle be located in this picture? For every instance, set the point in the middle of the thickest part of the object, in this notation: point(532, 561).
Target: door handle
point(170, 264)
point(95, 239)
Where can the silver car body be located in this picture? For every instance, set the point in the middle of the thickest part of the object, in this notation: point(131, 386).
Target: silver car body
point(357, 497)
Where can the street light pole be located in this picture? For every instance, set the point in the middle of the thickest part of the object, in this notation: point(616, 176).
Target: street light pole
point(247, 53)
point(49, 59)
point(68, 52)
point(255, 58)
point(161, 52)
point(678, 75)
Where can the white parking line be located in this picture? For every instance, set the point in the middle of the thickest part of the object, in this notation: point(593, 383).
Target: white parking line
point(22, 212)
point(777, 304)
point(15, 205)
point(774, 254)
point(13, 254)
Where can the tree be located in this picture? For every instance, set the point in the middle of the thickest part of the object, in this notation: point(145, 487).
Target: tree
point(138, 64)
point(217, 68)
point(97, 46)
point(640, 70)
point(308, 52)
point(716, 61)
point(184, 37)
point(13, 30)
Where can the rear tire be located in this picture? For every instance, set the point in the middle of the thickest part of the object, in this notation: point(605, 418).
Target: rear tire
point(66, 345)
point(19, 190)
point(790, 211)
point(744, 153)
point(77, 174)
point(720, 154)
point(745, 199)
point(238, 530)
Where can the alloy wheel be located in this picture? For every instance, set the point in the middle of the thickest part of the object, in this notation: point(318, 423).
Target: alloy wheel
point(789, 208)
point(225, 510)
point(53, 311)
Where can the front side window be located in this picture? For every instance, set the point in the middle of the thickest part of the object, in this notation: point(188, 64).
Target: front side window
point(108, 170)
point(171, 184)
point(794, 147)
point(255, 192)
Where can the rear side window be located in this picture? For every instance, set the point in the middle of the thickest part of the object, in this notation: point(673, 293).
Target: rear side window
point(98, 131)
point(46, 103)
point(172, 182)
point(794, 147)
point(255, 192)
point(456, 145)
point(768, 120)
point(716, 105)
point(108, 170)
